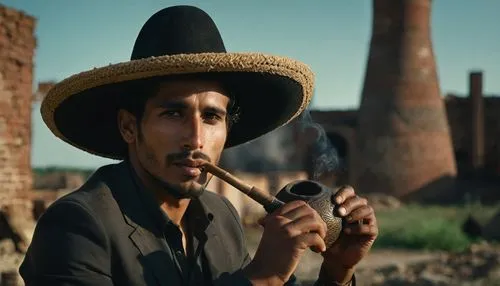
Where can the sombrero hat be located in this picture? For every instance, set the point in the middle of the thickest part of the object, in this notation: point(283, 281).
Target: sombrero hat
point(180, 40)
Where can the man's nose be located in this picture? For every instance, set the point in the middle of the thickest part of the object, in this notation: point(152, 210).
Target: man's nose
point(194, 134)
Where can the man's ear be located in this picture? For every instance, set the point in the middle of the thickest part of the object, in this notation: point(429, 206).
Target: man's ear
point(127, 124)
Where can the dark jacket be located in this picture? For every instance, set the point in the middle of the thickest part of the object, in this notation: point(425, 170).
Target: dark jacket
point(100, 234)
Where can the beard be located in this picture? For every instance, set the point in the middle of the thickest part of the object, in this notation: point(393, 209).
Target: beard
point(189, 190)
point(182, 190)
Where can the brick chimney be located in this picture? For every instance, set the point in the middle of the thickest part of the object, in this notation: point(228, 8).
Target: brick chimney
point(477, 112)
point(403, 137)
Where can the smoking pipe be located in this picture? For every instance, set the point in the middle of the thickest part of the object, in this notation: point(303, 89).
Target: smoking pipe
point(317, 195)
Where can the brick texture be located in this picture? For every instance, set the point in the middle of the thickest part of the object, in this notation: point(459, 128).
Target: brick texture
point(460, 112)
point(17, 47)
point(403, 136)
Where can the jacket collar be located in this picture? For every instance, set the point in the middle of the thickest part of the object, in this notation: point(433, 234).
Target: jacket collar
point(147, 221)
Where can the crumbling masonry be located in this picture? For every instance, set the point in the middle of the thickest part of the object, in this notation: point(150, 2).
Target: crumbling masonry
point(17, 48)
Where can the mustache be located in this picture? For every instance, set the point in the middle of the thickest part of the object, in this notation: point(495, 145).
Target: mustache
point(173, 157)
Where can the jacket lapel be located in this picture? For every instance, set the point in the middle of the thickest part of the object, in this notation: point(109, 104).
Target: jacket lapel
point(145, 236)
point(215, 252)
point(156, 258)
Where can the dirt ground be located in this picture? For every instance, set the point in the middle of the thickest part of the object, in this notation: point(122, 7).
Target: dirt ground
point(378, 258)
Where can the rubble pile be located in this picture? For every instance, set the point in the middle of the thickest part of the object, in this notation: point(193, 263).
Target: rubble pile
point(380, 201)
point(478, 265)
point(17, 224)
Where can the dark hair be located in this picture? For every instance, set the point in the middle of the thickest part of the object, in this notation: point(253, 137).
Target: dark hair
point(137, 93)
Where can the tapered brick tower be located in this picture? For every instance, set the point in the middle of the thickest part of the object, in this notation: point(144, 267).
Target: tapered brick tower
point(403, 139)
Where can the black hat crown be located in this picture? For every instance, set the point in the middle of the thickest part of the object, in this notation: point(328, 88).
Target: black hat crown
point(178, 30)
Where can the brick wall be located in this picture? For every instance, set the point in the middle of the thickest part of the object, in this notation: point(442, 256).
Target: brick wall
point(17, 46)
point(460, 118)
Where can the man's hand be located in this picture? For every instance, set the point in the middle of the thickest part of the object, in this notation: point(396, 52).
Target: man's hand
point(288, 233)
point(355, 241)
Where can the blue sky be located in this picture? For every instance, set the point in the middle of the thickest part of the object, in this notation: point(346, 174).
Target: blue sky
point(330, 36)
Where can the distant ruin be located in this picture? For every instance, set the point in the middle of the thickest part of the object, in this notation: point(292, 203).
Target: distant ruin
point(474, 126)
point(17, 49)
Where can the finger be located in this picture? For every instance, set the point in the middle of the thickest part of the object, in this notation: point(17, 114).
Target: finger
point(362, 229)
point(311, 240)
point(371, 219)
point(306, 224)
point(351, 204)
point(342, 194)
point(362, 213)
point(289, 207)
point(299, 212)
point(283, 209)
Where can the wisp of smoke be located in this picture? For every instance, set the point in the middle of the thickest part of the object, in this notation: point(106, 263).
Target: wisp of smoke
point(322, 153)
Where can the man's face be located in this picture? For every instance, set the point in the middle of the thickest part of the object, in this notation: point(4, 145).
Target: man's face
point(182, 121)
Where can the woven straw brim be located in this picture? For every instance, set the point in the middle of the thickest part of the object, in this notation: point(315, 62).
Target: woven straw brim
point(291, 82)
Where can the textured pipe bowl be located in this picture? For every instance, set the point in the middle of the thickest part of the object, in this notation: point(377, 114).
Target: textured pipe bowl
point(318, 196)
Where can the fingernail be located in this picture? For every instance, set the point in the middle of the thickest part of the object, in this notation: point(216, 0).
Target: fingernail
point(342, 211)
point(339, 199)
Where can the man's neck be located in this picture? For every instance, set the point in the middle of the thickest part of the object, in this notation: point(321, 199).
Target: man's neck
point(173, 207)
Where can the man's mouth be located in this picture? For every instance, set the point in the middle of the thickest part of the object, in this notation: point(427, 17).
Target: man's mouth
point(190, 168)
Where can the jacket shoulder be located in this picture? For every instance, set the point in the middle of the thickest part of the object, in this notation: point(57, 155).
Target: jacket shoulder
point(94, 188)
point(94, 195)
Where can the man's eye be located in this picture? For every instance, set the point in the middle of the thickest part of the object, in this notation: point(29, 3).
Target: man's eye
point(212, 116)
point(171, 113)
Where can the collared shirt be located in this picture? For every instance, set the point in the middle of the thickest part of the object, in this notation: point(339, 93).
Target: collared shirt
point(192, 266)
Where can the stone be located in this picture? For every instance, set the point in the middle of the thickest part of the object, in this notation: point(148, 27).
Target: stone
point(433, 279)
point(491, 230)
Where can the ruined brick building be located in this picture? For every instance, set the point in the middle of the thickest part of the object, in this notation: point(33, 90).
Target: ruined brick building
point(17, 49)
point(473, 120)
point(406, 139)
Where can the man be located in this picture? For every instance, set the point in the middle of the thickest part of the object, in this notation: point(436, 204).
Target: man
point(143, 221)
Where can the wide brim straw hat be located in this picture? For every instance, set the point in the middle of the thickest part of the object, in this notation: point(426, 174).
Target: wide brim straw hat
point(270, 90)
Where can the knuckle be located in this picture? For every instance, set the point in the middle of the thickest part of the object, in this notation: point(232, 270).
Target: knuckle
point(349, 189)
point(318, 225)
point(280, 220)
point(370, 209)
point(299, 203)
point(320, 219)
point(312, 217)
point(310, 211)
point(289, 231)
point(308, 219)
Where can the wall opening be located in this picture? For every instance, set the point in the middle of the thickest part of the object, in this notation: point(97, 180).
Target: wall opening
point(342, 147)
